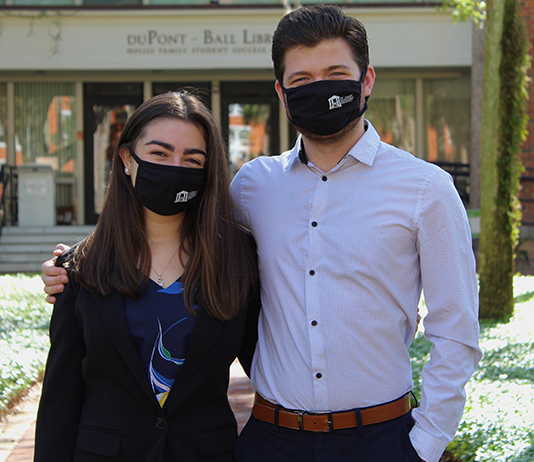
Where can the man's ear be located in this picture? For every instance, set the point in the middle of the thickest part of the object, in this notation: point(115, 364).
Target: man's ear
point(369, 80)
point(280, 93)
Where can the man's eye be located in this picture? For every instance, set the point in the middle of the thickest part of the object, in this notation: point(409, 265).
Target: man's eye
point(298, 81)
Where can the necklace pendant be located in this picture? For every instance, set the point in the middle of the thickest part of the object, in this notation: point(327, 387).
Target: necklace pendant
point(159, 281)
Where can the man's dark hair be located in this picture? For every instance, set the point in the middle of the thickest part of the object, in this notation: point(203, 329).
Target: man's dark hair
point(310, 25)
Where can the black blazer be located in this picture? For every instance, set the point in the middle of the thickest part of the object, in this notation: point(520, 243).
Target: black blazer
point(97, 403)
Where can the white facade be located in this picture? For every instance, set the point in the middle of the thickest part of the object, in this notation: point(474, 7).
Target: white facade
point(422, 60)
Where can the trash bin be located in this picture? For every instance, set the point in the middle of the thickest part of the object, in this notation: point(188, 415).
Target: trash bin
point(36, 191)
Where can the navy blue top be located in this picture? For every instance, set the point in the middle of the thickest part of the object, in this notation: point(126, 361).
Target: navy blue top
point(162, 331)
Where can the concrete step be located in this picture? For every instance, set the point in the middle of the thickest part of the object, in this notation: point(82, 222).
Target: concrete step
point(41, 239)
point(24, 249)
point(51, 230)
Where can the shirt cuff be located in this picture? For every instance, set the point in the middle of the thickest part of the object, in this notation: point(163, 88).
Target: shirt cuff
point(428, 447)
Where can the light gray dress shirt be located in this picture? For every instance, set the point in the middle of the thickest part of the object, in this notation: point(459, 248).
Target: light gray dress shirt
point(343, 257)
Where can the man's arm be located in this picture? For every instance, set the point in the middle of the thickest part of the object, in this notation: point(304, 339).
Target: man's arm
point(451, 294)
point(54, 277)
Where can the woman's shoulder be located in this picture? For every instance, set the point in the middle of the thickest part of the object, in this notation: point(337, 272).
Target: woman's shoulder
point(66, 258)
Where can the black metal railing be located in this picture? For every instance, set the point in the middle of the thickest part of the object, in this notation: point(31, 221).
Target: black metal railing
point(527, 177)
point(460, 175)
point(8, 196)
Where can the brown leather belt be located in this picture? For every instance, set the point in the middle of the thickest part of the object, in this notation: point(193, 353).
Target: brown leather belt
point(327, 422)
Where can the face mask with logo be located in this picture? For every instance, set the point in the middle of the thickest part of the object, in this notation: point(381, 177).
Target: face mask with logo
point(167, 189)
point(325, 107)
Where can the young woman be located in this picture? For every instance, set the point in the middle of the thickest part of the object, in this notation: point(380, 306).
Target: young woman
point(160, 297)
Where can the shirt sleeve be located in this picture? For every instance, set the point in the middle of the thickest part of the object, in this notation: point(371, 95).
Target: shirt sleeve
point(451, 294)
point(236, 191)
point(62, 395)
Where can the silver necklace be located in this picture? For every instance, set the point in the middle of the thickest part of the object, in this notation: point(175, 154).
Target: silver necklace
point(159, 280)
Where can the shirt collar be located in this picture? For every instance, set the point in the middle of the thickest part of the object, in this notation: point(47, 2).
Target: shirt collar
point(363, 151)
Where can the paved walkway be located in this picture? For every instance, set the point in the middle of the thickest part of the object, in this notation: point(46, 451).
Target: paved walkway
point(16, 435)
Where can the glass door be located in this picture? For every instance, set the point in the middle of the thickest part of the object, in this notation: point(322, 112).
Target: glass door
point(107, 106)
point(249, 120)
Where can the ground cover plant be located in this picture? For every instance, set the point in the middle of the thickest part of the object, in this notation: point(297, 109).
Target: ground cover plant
point(498, 422)
point(24, 320)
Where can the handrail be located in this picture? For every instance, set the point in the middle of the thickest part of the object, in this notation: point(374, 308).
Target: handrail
point(8, 196)
point(460, 174)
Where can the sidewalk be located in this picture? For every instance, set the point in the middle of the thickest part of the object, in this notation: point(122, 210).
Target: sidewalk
point(16, 435)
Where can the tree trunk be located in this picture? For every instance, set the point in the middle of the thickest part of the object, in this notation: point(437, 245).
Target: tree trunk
point(502, 132)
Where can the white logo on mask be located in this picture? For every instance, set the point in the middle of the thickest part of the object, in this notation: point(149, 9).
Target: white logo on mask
point(184, 196)
point(337, 101)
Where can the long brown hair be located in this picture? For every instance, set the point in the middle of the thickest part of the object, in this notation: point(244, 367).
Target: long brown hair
point(116, 256)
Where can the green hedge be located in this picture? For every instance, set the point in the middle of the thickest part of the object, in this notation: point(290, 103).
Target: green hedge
point(498, 422)
point(24, 320)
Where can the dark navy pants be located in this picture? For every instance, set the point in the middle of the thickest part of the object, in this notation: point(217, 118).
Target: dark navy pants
point(383, 442)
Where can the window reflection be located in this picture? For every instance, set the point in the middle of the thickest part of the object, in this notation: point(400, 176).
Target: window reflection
point(392, 112)
point(45, 134)
point(3, 123)
point(249, 135)
point(109, 123)
point(445, 122)
point(447, 119)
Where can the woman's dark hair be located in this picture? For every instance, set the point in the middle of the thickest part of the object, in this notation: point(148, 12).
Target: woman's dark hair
point(310, 25)
point(116, 256)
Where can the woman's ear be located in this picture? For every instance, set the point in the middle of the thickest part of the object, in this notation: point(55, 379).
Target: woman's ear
point(126, 158)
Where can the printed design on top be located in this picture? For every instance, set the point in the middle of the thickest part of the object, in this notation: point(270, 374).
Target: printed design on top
point(162, 363)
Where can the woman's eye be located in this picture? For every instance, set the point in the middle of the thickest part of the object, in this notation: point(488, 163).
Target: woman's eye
point(157, 154)
point(194, 161)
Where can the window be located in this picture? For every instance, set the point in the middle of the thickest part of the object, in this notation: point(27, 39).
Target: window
point(40, 2)
point(248, 132)
point(440, 130)
point(447, 117)
point(112, 2)
point(3, 123)
point(45, 133)
point(392, 112)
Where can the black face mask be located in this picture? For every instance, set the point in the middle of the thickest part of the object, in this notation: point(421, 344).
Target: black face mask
point(325, 107)
point(167, 189)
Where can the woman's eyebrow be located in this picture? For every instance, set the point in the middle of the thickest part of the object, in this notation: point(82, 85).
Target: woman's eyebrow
point(168, 146)
point(194, 151)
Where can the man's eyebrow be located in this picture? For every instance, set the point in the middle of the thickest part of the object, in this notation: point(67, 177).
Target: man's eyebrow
point(168, 146)
point(337, 66)
point(329, 68)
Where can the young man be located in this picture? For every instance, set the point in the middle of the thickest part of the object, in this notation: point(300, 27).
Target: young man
point(349, 231)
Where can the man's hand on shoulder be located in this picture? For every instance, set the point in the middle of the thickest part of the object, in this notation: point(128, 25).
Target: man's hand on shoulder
point(54, 277)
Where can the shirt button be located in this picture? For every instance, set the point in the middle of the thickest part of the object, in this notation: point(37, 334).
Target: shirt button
point(161, 423)
point(314, 323)
point(312, 272)
point(318, 375)
point(324, 178)
point(314, 224)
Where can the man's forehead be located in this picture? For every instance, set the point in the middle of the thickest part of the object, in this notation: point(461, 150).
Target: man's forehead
point(326, 53)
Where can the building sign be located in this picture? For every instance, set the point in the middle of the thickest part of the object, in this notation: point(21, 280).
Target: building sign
point(207, 42)
point(114, 43)
point(209, 39)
